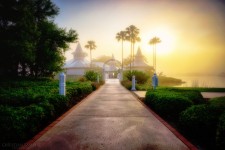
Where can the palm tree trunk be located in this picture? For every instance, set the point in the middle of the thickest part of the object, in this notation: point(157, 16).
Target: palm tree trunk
point(130, 54)
point(155, 58)
point(122, 55)
point(90, 59)
point(133, 55)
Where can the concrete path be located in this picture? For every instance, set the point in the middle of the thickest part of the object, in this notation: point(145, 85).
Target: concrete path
point(113, 119)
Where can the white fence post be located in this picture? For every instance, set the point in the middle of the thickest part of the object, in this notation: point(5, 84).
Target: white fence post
point(62, 84)
point(133, 84)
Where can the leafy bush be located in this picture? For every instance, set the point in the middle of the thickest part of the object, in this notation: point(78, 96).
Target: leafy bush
point(220, 137)
point(140, 76)
point(19, 124)
point(127, 84)
point(166, 103)
point(91, 75)
point(193, 95)
point(27, 106)
point(82, 79)
point(200, 122)
point(218, 103)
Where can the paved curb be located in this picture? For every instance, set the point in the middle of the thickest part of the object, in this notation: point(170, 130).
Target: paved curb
point(37, 136)
point(173, 130)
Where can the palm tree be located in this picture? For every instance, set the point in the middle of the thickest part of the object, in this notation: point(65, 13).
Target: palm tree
point(132, 36)
point(91, 46)
point(121, 36)
point(155, 40)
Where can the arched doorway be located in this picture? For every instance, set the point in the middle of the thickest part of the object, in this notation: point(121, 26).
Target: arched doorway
point(112, 69)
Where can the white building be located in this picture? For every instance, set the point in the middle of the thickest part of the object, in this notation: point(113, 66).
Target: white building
point(78, 65)
point(139, 62)
point(110, 69)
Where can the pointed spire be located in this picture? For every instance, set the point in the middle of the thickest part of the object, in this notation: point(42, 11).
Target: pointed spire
point(139, 53)
point(79, 54)
point(113, 57)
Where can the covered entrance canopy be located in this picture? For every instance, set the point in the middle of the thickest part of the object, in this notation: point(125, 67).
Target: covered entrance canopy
point(113, 69)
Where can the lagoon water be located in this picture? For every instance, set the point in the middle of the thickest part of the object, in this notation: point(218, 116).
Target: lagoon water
point(202, 81)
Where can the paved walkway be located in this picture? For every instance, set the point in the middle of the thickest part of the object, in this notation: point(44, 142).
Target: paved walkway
point(113, 119)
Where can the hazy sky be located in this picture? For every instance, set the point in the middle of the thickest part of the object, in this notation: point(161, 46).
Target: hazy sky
point(192, 31)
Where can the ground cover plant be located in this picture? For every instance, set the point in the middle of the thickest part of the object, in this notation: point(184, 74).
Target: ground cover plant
point(27, 106)
point(201, 121)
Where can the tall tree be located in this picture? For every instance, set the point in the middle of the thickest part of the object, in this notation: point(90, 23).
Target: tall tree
point(91, 46)
point(132, 36)
point(121, 36)
point(52, 44)
point(155, 40)
point(23, 37)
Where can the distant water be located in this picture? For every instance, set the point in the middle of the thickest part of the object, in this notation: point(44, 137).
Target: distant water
point(202, 81)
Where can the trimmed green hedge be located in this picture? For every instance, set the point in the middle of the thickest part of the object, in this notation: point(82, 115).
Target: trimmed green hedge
point(193, 95)
point(201, 121)
point(167, 103)
point(26, 107)
point(220, 137)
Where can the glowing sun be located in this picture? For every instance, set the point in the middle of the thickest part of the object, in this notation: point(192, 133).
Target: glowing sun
point(166, 36)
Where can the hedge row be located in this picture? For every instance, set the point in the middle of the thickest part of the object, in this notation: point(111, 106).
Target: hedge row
point(206, 123)
point(201, 121)
point(26, 109)
point(168, 104)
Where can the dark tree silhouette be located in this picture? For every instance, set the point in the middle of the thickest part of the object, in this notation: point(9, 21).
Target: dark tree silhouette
point(30, 43)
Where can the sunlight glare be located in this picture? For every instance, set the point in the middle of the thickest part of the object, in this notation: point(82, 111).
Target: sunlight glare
point(167, 40)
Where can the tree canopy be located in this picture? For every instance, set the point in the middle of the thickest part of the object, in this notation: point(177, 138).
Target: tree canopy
point(31, 44)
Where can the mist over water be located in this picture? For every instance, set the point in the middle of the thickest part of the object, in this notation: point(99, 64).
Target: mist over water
point(202, 81)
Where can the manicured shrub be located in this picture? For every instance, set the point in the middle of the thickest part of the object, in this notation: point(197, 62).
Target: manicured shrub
point(60, 104)
point(19, 124)
point(200, 122)
point(91, 75)
point(95, 85)
point(166, 103)
point(82, 79)
point(127, 84)
point(193, 95)
point(140, 76)
point(26, 107)
point(220, 137)
point(218, 103)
